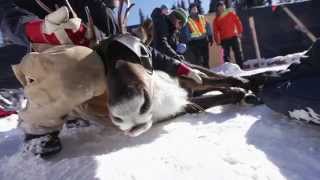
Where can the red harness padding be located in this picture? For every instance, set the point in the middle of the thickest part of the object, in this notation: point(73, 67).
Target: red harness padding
point(34, 31)
point(4, 113)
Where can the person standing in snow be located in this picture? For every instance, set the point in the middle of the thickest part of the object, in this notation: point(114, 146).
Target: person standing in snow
point(166, 31)
point(294, 91)
point(227, 32)
point(198, 36)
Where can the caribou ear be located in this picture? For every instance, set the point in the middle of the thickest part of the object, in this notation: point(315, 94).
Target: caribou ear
point(19, 74)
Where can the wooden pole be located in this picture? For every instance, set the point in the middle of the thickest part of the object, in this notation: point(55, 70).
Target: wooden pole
point(304, 29)
point(255, 39)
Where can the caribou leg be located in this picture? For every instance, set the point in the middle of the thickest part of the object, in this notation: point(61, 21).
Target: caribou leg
point(208, 101)
point(199, 104)
point(229, 96)
point(210, 84)
point(205, 70)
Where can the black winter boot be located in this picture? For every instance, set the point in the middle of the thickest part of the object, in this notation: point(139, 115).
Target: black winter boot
point(44, 145)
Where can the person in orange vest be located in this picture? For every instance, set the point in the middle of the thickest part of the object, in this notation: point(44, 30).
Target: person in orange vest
point(198, 35)
point(227, 32)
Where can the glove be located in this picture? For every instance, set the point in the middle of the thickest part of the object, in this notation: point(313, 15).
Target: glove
point(181, 48)
point(179, 57)
point(188, 72)
point(57, 28)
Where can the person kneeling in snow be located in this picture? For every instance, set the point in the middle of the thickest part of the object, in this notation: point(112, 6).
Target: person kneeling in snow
point(71, 80)
point(294, 91)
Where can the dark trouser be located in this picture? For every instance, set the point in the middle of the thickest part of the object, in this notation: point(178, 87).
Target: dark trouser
point(287, 96)
point(200, 50)
point(235, 44)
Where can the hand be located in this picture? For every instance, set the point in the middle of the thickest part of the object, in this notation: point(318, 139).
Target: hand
point(180, 57)
point(240, 35)
point(188, 72)
point(196, 75)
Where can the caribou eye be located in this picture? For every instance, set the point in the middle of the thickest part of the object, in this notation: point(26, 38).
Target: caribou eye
point(30, 80)
point(147, 104)
point(117, 119)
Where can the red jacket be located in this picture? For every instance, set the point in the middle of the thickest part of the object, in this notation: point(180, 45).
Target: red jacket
point(226, 25)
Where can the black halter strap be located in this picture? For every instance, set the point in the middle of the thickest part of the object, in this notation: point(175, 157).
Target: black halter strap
point(107, 54)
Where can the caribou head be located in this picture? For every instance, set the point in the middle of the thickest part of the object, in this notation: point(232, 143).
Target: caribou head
point(137, 96)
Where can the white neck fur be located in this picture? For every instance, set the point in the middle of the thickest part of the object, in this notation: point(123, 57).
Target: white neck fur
point(168, 98)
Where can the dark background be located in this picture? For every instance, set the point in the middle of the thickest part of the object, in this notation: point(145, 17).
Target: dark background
point(276, 31)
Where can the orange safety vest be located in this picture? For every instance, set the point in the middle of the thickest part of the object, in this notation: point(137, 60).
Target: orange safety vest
point(198, 28)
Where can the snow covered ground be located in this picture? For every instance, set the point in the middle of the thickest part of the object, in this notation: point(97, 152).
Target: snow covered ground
point(229, 142)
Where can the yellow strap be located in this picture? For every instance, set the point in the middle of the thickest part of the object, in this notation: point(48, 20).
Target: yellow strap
point(203, 23)
point(194, 29)
point(195, 32)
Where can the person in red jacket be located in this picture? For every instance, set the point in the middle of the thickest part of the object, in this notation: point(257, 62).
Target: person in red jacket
point(227, 32)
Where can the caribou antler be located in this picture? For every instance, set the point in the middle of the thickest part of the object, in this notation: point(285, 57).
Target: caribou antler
point(91, 31)
point(44, 7)
point(123, 21)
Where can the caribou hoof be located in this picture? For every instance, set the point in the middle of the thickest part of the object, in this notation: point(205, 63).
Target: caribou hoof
point(251, 99)
point(193, 108)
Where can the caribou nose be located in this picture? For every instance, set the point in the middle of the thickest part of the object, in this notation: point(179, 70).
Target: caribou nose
point(139, 129)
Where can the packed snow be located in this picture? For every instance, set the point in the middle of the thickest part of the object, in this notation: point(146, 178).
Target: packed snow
point(279, 60)
point(307, 114)
point(281, 2)
point(232, 142)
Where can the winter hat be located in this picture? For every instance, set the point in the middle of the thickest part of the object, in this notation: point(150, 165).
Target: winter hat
point(181, 14)
point(163, 6)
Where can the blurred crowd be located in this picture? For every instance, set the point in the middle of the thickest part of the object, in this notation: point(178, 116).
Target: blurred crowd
point(188, 35)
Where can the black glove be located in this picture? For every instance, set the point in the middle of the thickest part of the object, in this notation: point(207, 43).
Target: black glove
point(179, 57)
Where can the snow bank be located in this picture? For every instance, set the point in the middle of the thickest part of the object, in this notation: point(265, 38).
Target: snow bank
point(227, 142)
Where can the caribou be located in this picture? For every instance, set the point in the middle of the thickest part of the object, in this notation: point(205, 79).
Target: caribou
point(138, 96)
